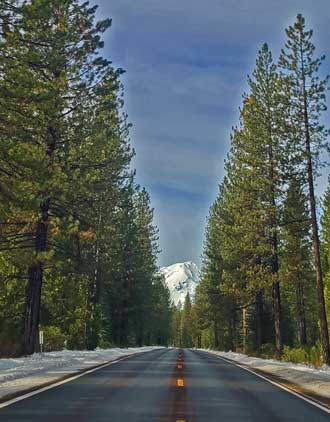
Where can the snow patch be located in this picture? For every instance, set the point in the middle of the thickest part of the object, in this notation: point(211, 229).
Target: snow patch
point(30, 371)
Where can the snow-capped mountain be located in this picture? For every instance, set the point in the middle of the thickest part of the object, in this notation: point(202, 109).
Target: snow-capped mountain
point(181, 278)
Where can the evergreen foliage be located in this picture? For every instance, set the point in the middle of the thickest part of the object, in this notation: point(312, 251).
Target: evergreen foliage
point(262, 287)
point(78, 245)
point(308, 101)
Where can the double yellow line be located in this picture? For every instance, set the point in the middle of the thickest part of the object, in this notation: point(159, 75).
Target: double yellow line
point(180, 381)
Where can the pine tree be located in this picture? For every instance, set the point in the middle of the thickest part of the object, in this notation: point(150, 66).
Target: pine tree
point(308, 102)
point(159, 327)
point(325, 247)
point(75, 231)
point(176, 337)
point(146, 273)
point(102, 176)
point(49, 66)
point(186, 323)
point(255, 180)
point(296, 266)
point(212, 273)
point(123, 258)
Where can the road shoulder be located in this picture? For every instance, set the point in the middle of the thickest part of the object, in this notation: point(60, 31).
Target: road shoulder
point(310, 384)
point(25, 379)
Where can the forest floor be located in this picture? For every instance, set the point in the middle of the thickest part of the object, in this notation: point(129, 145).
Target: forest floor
point(20, 375)
point(304, 379)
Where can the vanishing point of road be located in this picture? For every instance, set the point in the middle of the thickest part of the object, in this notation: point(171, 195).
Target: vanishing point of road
point(166, 385)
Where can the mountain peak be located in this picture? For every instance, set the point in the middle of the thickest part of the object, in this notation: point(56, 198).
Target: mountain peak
point(181, 278)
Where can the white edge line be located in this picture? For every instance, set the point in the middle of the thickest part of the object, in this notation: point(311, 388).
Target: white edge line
point(288, 390)
point(41, 390)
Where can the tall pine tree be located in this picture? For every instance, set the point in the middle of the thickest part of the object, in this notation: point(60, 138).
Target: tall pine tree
point(308, 102)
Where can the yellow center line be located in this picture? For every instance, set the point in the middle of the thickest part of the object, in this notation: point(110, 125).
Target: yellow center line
point(180, 382)
point(179, 366)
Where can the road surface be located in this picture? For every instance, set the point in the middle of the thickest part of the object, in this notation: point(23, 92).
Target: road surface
point(165, 385)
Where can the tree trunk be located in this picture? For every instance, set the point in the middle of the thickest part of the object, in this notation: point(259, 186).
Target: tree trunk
point(315, 234)
point(277, 318)
point(34, 286)
point(32, 312)
point(216, 334)
point(244, 327)
point(318, 268)
point(92, 324)
point(95, 294)
point(301, 314)
point(258, 319)
point(276, 296)
point(232, 331)
point(35, 270)
point(274, 251)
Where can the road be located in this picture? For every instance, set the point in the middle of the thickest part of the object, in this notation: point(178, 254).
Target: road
point(165, 385)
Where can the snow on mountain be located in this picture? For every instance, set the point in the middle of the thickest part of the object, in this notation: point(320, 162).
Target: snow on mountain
point(181, 278)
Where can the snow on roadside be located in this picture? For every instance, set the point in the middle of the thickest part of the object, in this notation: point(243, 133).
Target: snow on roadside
point(30, 371)
point(305, 376)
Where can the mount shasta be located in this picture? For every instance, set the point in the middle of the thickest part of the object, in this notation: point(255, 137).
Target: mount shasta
point(181, 278)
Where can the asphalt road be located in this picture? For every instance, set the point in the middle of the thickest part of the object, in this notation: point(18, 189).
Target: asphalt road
point(165, 386)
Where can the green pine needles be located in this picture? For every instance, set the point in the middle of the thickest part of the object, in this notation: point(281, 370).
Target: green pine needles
point(265, 268)
point(78, 245)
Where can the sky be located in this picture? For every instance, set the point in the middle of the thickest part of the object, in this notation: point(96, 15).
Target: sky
point(186, 65)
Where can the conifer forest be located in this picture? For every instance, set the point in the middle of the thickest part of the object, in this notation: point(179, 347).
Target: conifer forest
point(78, 243)
point(265, 288)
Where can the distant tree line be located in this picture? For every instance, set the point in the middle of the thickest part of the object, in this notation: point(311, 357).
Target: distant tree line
point(266, 272)
point(78, 247)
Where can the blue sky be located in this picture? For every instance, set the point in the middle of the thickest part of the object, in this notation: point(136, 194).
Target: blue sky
point(186, 64)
